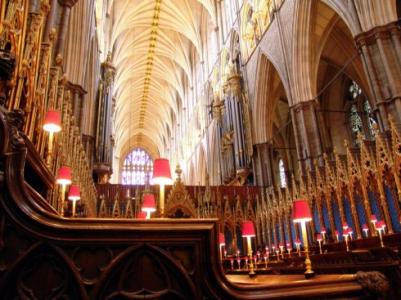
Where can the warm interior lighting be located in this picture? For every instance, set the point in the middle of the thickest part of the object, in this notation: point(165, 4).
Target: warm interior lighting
point(52, 121)
point(365, 229)
point(248, 231)
point(64, 179)
point(319, 240)
point(149, 204)
point(161, 176)
point(301, 211)
point(221, 239)
point(64, 176)
point(302, 214)
point(161, 172)
point(74, 195)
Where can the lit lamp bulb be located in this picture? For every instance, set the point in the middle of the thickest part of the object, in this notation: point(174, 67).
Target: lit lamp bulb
point(350, 233)
point(380, 227)
point(162, 177)
point(323, 233)
point(51, 125)
point(373, 220)
point(298, 246)
point(63, 179)
point(281, 246)
point(74, 195)
point(365, 229)
point(149, 205)
point(345, 235)
point(337, 235)
point(302, 214)
point(319, 240)
point(221, 244)
point(248, 231)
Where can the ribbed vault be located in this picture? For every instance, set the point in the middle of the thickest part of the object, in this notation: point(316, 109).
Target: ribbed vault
point(153, 43)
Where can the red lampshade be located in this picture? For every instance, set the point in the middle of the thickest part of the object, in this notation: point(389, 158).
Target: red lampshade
point(323, 231)
point(380, 225)
point(52, 121)
point(373, 218)
point(141, 215)
point(74, 193)
point(297, 241)
point(301, 211)
point(221, 239)
point(149, 203)
point(288, 245)
point(281, 245)
point(64, 176)
point(248, 230)
point(319, 237)
point(161, 172)
point(365, 227)
point(345, 226)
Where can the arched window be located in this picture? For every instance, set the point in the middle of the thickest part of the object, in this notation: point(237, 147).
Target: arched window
point(283, 176)
point(137, 168)
point(360, 116)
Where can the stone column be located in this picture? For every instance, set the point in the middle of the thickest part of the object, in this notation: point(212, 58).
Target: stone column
point(264, 164)
point(63, 27)
point(380, 50)
point(307, 135)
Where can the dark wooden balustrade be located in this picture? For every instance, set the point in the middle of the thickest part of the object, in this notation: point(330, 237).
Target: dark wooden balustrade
point(45, 256)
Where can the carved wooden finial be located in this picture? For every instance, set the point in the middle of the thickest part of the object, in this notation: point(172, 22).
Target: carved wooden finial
point(178, 171)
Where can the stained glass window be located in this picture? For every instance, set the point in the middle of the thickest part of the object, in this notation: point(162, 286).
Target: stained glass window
point(283, 177)
point(361, 117)
point(137, 168)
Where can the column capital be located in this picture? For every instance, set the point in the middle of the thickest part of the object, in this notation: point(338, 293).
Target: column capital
point(67, 3)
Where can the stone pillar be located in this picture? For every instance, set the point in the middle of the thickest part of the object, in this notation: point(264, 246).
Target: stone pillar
point(63, 27)
point(380, 50)
point(50, 21)
point(264, 164)
point(307, 135)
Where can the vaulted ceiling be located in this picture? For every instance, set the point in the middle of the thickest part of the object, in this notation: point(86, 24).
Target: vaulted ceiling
point(154, 43)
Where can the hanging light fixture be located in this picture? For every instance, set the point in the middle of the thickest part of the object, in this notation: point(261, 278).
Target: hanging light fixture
point(74, 195)
point(162, 177)
point(302, 214)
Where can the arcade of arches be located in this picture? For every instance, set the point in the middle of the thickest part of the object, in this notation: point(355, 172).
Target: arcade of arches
point(255, 103)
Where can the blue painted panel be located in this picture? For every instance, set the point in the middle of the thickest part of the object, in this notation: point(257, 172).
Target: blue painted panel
point(316, 219)
point(392, 209)
point(337, 220)
point(326, 219)
point(239, 240)
point(228, 239)
point(293, 234)
point(278, 233)
point(348, 214)
point(361, 211)
point(374, 205)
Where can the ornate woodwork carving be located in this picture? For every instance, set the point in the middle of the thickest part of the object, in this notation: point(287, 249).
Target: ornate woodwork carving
point(43, 255)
